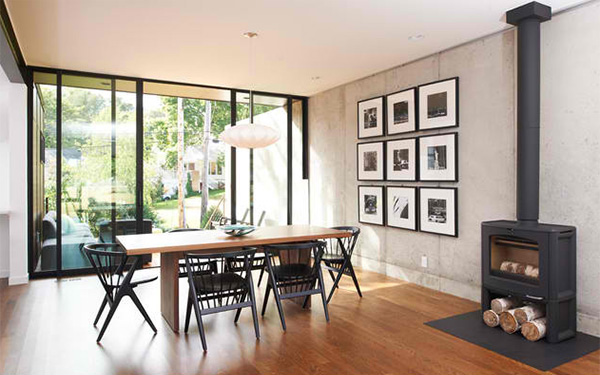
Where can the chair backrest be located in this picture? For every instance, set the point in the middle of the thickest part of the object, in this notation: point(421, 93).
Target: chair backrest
point(182, 269)
point(213, 283)
point(290, 264)
point(335, 245)
point(108, 261)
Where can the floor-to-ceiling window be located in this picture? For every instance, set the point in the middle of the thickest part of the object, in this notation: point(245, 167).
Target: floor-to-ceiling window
point(97, 176)
point(127, 156)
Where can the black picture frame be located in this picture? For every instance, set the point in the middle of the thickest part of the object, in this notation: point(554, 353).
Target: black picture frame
point(413, 93)
point(424, 214)
point(452, 160)
point(380, 127)
point(450, 86)
point(382, 154)
point(388, 199)
point(389, 146)
point(383, 205)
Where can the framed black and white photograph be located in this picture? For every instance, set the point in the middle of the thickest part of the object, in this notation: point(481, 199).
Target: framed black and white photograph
point(438, 157)
point(401, 111)
point(370, 117)
point(401, 207)
point(370, 161)
point(401, 160)
point(438, 208)
point(371, 205)
point(438, 104)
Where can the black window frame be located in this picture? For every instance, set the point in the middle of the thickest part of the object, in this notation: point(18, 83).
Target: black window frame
point(290, 98)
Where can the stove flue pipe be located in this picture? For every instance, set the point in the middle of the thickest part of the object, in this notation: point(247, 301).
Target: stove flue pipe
point(528, 18)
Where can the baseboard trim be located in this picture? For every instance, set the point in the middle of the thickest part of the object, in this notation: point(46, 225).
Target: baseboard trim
point(585, 323)
point(3, 274)
point(588, 324)
point(18, 280)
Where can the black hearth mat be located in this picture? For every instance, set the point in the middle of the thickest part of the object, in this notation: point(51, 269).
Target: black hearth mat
point(541, 354)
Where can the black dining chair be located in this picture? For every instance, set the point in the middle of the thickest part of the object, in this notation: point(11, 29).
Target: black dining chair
point(338, 258)
point(259, 262)
point(109, 262)
point(181, 264)
point(291, 275)
point(224, 290)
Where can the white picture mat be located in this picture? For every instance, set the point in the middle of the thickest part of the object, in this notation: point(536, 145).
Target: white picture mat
point(409, 174)
point(449, 227)
point(408, 96)
point(438, 122)
point(371, 132)
point(410, 195)
point(376, 218)
point(370, 147)
point(448, 174)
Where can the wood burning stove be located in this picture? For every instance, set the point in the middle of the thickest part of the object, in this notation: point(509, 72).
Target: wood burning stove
point(549, 248)
point(531, 261)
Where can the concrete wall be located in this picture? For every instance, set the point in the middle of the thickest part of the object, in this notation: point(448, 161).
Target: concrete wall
point(487, 155)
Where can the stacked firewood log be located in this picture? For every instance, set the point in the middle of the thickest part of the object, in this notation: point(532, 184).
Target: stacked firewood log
point(510, 314)
point(520, 269)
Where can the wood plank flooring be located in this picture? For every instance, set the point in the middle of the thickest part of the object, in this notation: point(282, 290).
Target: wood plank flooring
point(46, 328)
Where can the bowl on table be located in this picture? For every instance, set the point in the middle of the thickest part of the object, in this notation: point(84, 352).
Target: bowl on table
point(237, 230)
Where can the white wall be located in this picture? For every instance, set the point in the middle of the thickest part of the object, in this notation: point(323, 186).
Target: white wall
point(570, 183)
point(13, 161)
point(4, 168)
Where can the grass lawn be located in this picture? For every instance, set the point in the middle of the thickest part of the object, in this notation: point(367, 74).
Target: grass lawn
point(167, 210)
point(214, 196)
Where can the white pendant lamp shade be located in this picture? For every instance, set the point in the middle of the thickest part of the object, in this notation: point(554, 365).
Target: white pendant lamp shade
point(250, 136)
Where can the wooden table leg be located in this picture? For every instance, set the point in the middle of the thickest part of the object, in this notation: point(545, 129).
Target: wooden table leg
point(169, 289)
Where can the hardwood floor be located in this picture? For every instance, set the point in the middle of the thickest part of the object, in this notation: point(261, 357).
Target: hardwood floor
point(46, 328)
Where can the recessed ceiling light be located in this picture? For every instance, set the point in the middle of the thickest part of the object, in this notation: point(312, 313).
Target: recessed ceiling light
point(413, 38)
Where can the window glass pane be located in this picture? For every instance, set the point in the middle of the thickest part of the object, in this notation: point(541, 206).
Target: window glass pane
point(44, 123)
point(270, 164)
point(98, 165)
point(176, 141)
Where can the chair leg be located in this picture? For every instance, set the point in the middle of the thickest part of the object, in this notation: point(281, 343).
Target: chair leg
point(279, 308)
point(200, 325)
point(354, 278)
point(239, 311)
point(188, 313)
point(137, 302)
point(337, 280)
point(111, 312)
point(254, 312)
point(266, 299)
point(332, 275)
point(322, 287)
point(262, 271)
point(102, 306)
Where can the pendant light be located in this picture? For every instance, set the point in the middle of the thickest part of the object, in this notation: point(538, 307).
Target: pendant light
point(252, 135)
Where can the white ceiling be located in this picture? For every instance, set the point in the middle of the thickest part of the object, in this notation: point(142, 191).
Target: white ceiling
point(201, 41)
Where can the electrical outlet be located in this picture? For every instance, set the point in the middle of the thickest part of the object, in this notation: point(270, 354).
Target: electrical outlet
point(424, 261)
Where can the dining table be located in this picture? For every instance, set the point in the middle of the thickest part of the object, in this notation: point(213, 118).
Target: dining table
point(173, 246)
